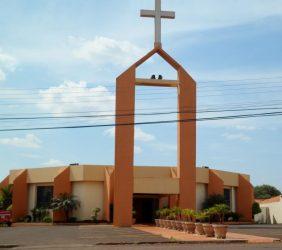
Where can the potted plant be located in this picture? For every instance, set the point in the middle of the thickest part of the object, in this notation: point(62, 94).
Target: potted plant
point(157, 219)
point(189, 224)
point(171, 223)
point(178, 223)
point(220, 230)
point(208, 228)
point(95, 213)
point(200, 217)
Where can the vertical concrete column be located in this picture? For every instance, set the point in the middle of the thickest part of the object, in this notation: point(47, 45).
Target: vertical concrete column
point(245, 198)
point(62, 184)
point(108, 189)
point(124, 149)
point(216, 185)
point(20, 196)
point(187, 140)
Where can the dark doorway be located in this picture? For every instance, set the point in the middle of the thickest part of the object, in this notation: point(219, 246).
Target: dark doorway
point(145, 207)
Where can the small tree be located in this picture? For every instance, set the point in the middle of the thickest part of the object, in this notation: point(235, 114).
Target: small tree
point(6, 197)
point(66, 203)
point(256, 209)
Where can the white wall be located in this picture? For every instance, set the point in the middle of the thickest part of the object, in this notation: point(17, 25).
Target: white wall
point(90, 195)
point(274, 212)
point(201, 195)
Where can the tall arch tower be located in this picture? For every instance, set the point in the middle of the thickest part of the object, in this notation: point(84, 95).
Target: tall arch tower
point(124, 135)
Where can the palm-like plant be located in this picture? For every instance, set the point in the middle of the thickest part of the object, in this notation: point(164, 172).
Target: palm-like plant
point(6, 197)
point(189, 215)
point(220, 210)
point(65, 203)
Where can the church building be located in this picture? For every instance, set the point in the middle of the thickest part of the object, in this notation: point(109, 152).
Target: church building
point(123, 188)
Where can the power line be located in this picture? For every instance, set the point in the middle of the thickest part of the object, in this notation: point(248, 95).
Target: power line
point(134, 114)
point(272, 103)
point(141, 99)
point(86, 95)
point(200, 82)
point(243, 116)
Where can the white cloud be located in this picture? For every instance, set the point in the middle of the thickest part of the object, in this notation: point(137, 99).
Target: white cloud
point(29, 141)
point(7, 64)
point(53, 162)
point(239, 137)
point(140, 135)
point(76, 97)
point(103, 50)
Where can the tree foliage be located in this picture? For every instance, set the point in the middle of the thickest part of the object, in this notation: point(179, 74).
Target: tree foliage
point(213, 200)
point(6, 195)
point(266, 192)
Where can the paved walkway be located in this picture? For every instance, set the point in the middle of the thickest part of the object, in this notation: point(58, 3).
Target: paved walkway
point(109, 237)
point(64, 235)
point(273, 231)
point(193, 238)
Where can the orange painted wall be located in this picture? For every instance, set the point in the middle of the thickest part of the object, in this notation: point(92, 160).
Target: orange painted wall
point(62, 184)
point(187, 140)
point(173, 200)
point(124, 149)
point(5, 182)
point(216, 185)
point(20, 196)
point(245, 198)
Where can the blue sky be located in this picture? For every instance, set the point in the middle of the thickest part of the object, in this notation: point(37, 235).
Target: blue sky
point(61, 56)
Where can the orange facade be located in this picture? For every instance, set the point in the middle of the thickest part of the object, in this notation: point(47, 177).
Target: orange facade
point(245, 198)
point(216, 185)
point(62, 185)
point(20, 196)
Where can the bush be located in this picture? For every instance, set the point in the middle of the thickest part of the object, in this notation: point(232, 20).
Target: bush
point(214, 199)
point(47, 219)
point(39, 213)
point(95, 213)
point(232, 216)
point(256, 209)
point(72, 219)
point(27, 218)
point(65, 203)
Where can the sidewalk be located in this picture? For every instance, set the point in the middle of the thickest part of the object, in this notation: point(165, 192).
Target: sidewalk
point(193, 238)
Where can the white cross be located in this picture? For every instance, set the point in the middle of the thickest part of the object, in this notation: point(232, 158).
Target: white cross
point(158, 14)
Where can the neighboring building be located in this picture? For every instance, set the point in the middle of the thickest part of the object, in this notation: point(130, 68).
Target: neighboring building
point(271, 211)
point(154, 187)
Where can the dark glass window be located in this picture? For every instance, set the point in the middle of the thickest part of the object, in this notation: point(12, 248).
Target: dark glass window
point(44, 196)
point(227, 196)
